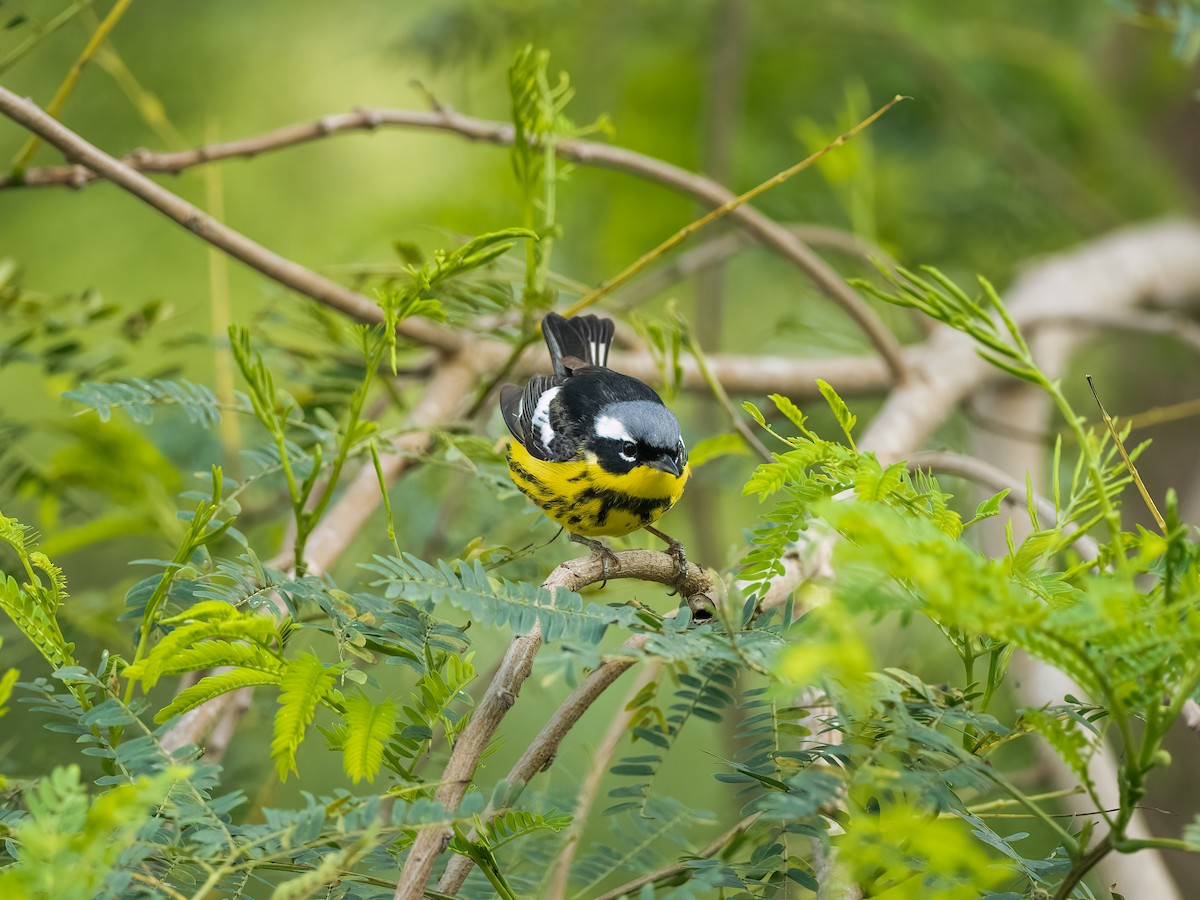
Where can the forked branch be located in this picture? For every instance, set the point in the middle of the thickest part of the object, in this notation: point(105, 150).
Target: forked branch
point(501, 694)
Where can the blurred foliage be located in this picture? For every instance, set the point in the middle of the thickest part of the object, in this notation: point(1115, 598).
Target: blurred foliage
point(1033, 127)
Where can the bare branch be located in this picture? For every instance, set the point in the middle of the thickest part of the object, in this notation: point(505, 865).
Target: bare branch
point(754, 376)
point(773, 235)
point(1166, 324)
point(720, 249)
point(501, 694)
point(285, 271)
point(1191, 715)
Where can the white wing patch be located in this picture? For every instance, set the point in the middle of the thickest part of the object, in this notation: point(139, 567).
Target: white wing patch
point(608, 427)
point(541, 416)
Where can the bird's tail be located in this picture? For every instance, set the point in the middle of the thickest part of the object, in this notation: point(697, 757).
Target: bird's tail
point(576, 341)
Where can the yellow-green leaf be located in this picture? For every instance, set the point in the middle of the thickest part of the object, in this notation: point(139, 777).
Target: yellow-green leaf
point(841, 411)
point(370, 725)
point(306, 682)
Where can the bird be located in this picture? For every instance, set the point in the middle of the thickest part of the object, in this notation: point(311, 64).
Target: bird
point(598, 451)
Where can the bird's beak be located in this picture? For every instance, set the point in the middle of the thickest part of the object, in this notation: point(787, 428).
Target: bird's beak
point(666, 464)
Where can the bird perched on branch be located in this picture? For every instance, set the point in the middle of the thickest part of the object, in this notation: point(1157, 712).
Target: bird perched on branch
point(598, 451)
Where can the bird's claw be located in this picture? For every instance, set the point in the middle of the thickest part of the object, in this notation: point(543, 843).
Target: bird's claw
point(675, 549)
point(679, 555)
point(607, 557)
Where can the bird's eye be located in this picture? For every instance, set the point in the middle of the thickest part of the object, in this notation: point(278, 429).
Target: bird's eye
point(629, 451)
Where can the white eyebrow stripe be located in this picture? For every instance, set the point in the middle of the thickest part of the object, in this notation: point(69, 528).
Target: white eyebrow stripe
point(608, 427)
point(541, 416)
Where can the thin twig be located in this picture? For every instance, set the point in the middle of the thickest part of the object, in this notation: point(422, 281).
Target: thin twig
point(99, 36)
point(722, 210)
point(736, 418)
point(40, 33)
point(1137, 479)
point(718, 250)
point(237, 245)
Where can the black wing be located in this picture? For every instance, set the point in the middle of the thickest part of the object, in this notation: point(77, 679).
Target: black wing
point(583, 337)
point(518, 407)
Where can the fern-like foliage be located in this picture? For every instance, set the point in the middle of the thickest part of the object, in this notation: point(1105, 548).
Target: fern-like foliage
point(637, 843)
point(210, 634)
point(440, 699)
point(815, 470)
point(306, 682)
point(497, 601)
point(33, 602)
point(703, 695)
point(514, 824)
point(446, 277)
point(369, 627)
point(141, 399)
point(369, 726)
point(76, 848)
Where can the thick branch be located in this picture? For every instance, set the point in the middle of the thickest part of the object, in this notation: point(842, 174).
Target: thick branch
point(1135, 267)
point(501, 694)
point(285, 271)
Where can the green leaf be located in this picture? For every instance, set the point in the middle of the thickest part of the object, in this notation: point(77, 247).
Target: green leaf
point(6, 685)
point(1068, 740)
point(841, 411)
point(513, 824)
point(141, 399)
point(497, 601)
point(203, 637)
point(716, 446)
point(755, 413)
point(792, 411)
point(876, 484)
point(305, 683)
point(988, 508)
point(214, 686)
point(369, 727)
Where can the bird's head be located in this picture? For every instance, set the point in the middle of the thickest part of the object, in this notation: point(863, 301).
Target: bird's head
point(632, 433)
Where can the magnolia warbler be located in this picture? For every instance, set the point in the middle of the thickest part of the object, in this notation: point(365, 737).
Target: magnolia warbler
point(598, 451)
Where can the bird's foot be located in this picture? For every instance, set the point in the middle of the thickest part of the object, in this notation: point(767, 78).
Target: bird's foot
point(608, 559)
point(678, 554)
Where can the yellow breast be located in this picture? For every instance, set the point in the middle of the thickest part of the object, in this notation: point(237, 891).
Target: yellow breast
point(585, 499)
